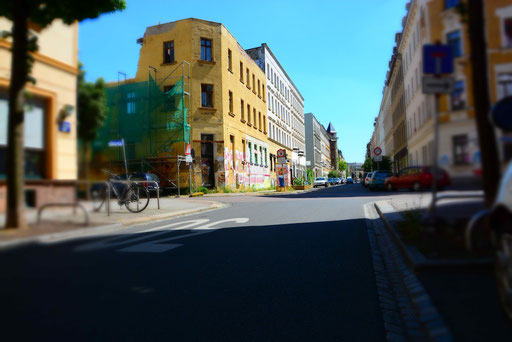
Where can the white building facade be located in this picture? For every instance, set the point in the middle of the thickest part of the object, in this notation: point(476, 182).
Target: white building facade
point(285, 109)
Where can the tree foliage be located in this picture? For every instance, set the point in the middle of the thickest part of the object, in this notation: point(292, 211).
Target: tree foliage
point(371, 165)
point(342, 165)
point(92, 108)
point(334, 174)
point(310, 176)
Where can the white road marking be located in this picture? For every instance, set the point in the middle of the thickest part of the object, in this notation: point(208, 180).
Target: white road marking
point(157, 246)
point(113, 242)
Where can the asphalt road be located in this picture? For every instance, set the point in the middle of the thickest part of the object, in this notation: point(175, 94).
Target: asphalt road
point(290, 267)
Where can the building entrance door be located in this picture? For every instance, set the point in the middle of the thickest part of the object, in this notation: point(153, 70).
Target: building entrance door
point(207, 171)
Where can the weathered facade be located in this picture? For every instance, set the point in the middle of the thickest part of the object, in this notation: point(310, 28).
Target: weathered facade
point(227, 107)
point(318, 151)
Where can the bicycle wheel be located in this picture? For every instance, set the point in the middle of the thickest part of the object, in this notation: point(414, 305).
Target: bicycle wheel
point(98, 195)
point(137, 198)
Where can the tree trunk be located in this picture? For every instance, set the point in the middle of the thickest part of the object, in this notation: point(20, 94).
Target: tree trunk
point(15, 164)
point(486, 134)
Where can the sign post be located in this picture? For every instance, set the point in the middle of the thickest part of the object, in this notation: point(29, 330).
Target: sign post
point(437, 61)
point(377, 151)
point(120, 143)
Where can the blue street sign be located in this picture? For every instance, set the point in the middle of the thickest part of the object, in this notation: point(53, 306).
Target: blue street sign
point(65, 126)
point(116, 143)
point(437, 59)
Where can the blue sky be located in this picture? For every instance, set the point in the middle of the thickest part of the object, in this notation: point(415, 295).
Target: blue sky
point(336, 52)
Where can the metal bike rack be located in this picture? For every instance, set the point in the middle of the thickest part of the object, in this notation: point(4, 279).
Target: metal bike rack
point(74, 205)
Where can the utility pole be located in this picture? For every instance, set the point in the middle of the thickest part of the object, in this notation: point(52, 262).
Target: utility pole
point(482, 103)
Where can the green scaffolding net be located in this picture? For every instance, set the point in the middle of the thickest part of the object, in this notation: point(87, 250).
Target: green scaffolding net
point(148, 119)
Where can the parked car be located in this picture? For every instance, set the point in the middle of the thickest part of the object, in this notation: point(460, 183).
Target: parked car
point(417, 178)
point(378, 180)
point(321, 181)
point(350, 180)
point(141, 177)
point(332, 181)
point(338, 180)
point(366, 180)
point(363, 179)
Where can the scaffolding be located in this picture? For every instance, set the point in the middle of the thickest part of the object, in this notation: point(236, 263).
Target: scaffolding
point(152, 118)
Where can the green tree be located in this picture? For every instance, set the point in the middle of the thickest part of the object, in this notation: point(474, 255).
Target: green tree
point(371, 165)
point(41, 13)
point(91, 112)
point(342, 165)
point(310, 176)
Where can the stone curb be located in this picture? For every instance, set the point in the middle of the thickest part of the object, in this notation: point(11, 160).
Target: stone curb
point(407, 310)
point(85, 232)
point(419, 262)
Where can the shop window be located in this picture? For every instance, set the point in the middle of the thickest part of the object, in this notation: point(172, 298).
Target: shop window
point(169, 52)
point(206, 49)
point(460, 149)
point(207, 95)
point(35, 137)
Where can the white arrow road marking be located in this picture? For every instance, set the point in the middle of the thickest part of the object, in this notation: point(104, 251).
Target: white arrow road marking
point(114, 242)
point(156, 246)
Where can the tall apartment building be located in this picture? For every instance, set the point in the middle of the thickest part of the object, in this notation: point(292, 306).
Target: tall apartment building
point(427, 22)
point(50, 114)
point(285, 108)
point(318, 151)
point(227, 108)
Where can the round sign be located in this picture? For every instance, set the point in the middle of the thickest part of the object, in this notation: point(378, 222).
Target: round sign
point(377, 151)
point(281, 153)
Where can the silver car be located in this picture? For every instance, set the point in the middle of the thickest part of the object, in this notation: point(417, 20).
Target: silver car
point(321, 181)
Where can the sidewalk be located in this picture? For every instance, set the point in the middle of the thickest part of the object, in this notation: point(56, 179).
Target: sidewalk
point(58, 220)
point(465, 293)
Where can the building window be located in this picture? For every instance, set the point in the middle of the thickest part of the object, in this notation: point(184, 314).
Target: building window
point(242, 108)
point(504, 85)
point(507, 30)
point(35, 136)
point(254, 117)
point(259, 88)
point(268, 72)
point(453, 39)
point(207, 95)
point(259, 120)
point(244, 157)
point(250, 152)
point(169, 52)
point(130, 104)
point(265, 123)
point(450, 3)
point(460, 149)
point(253, 83)
point(248, 81)
point(230, 60)
point(248, 114)
point(230, 96)
point(458, 96)
point(241, 72)
point(255, 154)
point(232, 141)
point(206, 49)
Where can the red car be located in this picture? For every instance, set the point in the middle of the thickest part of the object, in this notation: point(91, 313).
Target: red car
point(416, 178)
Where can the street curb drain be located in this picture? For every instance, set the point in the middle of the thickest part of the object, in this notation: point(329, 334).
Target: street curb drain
point(407, 310)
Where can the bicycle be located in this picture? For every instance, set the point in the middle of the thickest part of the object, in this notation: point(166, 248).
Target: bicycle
point(133, 195)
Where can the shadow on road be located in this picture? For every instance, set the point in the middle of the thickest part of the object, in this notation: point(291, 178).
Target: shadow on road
point(347, 190)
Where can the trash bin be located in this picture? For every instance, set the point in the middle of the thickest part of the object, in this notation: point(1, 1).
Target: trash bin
point(281, 181)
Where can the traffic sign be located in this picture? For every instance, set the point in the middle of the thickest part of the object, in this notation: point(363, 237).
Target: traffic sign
point(377, 151)
point(116, 143)
point(437, 59)
point(281, 160)
point(281, 153)
point(437, 85)
point(188, 150)
point(377, 158)
point(188, 158)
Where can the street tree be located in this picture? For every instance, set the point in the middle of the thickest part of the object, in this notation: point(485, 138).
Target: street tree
point(41, 13)
point(342, 165)
point(91, 111)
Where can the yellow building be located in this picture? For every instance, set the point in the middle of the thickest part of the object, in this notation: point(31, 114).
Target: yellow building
point(50, 114)
point(227, 104)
